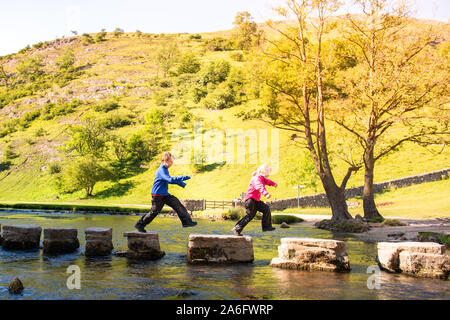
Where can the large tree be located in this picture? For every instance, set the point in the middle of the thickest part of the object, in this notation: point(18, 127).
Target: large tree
point(297, 74)
point(397, 90)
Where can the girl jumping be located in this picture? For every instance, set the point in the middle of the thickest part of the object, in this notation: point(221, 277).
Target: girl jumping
point(253, 201)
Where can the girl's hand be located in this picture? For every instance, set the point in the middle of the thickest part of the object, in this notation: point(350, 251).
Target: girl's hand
point(275, 185)
point(268, 196)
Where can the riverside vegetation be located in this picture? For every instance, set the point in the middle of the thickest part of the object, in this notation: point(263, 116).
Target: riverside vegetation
point(84, 118)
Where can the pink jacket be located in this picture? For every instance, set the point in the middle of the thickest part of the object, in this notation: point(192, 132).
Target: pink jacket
point(257, 186)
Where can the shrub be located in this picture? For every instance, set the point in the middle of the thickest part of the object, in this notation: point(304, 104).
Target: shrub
point(234, 214)
point(279, 219)
point(189, 64)
point(101, 36)
point(393, 223)
point(195, 37)
point(198, 93)
point(9, 154)
point(40, 132)
point(215, 72)
point(52, 110)
point(107, 106)
point(116, 121)
point(221, 98)
point(54, 168)
point(139, 148)
point(86, 39)
point(237, 56)
point(219, 44)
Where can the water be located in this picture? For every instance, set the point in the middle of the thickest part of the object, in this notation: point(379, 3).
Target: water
point(172, 278)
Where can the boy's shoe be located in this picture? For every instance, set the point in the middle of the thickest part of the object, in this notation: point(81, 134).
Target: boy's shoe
point(140, 228)
point(189, 224)
point(236, 233)
point(269, 229)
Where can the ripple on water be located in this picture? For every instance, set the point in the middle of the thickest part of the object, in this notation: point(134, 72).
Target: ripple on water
point(45, 277)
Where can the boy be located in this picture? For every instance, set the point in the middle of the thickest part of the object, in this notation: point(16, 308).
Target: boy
point(161, 196)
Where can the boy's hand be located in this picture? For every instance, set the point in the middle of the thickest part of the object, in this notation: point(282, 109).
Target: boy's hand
point(186, 177)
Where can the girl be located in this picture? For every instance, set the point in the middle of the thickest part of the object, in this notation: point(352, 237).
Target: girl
point(253, 201)
point(161, 196)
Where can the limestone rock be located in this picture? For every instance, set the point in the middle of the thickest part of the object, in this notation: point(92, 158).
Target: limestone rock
point(60, 240)
point(425, 264)
point(219, 249)
point(98, 241)
point(347, 225)
point(284, 225)
point(423, 259)
point(21, 237)
point(142, 246)
point(16, 286)
point(312, 254)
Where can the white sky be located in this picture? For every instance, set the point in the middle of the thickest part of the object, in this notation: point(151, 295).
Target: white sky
point(26, 22)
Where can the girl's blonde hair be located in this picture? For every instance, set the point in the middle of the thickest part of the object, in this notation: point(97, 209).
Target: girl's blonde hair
point(263, 170)
point(166, 157)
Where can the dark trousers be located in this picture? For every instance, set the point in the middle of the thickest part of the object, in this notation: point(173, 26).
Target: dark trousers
point(251, 207)
point(158, 203)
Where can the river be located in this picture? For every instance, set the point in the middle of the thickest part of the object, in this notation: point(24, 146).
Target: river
point(45, 277)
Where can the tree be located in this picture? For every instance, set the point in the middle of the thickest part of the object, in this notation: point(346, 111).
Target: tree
point(31, 68)
point(167, 56)
point(296, 88)
point(118, 32)
point(189, 64)
point(302, 171)
point(101, 36)
point(4, 76)
point(89, 139)
point(84, 173)
point(67, 60)
point(246, 33)
point(395, 92)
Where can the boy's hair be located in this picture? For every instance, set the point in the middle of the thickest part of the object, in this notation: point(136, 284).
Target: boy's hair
point(263, 170)
point(166, 156)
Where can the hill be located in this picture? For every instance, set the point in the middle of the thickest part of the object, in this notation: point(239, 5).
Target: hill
point(118, 80)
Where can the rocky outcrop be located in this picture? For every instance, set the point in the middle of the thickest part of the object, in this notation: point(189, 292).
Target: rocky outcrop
point(219, 249)
point(98, 242)
point(21, 237)
point(422, 259)
point(142, 246)
point(347, 225)
point(60, 240)
point(312, 255)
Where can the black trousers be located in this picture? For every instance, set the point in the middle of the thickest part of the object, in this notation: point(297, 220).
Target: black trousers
point(251, 207)
point(158, 203)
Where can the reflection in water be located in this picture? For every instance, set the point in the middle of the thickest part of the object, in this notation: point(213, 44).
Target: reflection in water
point(45, 277)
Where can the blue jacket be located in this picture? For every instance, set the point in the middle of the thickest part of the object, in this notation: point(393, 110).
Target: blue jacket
point(162, 180)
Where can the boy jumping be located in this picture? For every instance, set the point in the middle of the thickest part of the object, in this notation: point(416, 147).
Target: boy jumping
point(161, 196)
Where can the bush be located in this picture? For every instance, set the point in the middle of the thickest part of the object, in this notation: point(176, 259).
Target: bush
point(189, 64)
point(52, 110)
point(237, 56)
point(219, 44)
point(139, 148)
point(107, 106)
point(9, 154)
point(234, 214)
point(116, 121)
point(28, 117)
point(198, 93)
point(393, 223)
point(40, 132)
point(195, 37)
point(8, 127)
point(221, 98)
point(279, 219)
point(86, 39)
point(215, 72)
point(54, 168)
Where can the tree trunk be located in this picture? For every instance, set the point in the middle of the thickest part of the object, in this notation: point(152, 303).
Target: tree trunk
point(369, 206)
point(336, 198)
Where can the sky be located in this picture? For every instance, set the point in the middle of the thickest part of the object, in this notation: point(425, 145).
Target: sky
point(26, 22)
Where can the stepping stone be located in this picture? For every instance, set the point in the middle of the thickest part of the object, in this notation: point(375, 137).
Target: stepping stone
point(422, 259)
point(60, 240)
point(98, 242)
point(219, 249)
point(142, 246)
point(21, 237)
point(312, 255)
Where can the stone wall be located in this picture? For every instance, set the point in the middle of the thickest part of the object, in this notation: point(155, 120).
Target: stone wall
point(320, 200)
point(193, 205)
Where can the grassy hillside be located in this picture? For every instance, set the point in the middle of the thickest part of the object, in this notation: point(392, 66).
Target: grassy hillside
point(125, 69)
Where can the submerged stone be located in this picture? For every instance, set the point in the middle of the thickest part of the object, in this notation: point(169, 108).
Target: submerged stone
point(60, 240)
point(219, 249)
point(21, 237)
point(16, 286)
point(312, 255)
